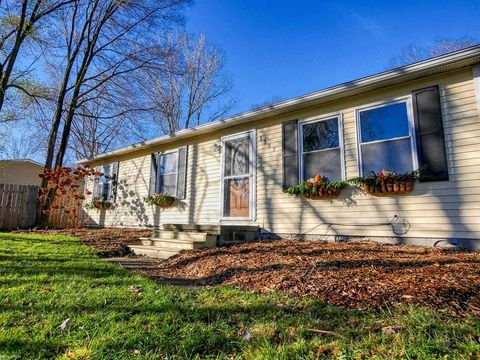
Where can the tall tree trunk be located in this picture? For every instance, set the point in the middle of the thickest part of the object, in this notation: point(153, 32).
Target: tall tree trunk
point(89, 54)
point(57, 118)
point(5, 75)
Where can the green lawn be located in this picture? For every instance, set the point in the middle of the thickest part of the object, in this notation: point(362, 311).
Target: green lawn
point(46, 279)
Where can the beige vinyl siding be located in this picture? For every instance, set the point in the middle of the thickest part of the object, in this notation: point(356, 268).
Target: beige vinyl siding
point(200, 205)
point(442, 209)
point(129, 208)
point(434, 210)
point(20, 172)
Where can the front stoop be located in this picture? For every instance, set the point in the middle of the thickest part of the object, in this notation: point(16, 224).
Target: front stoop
point(165, 244)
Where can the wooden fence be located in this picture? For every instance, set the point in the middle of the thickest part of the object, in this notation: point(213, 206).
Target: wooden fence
point(18, 209)
point(18, 206)
point(62, 220)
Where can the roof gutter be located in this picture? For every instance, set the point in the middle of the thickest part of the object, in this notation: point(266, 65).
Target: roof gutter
point(452, 61)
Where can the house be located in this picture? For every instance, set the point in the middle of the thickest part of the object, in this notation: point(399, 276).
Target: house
point(230, 176)
point(20, 172)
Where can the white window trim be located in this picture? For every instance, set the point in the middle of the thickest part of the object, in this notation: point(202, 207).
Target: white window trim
point(476, 82)
point(157, 180)
point(411, 129)
point(339, 117)
point(252, 176)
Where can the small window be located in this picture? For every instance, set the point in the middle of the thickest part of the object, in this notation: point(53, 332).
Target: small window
point(107, 182)
point(385, 138)
point(321, 151)
point(167, 174)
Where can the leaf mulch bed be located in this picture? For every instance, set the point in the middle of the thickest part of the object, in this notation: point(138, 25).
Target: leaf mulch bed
point(361, 275)
point(108, 241)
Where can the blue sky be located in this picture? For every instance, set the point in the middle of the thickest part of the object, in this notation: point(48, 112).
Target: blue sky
point(289, 48)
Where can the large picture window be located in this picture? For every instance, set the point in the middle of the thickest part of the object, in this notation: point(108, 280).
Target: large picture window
point(321, 148)
point(386, 138)
point(167, 173)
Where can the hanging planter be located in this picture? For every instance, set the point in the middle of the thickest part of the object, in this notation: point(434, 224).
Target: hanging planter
point(99, 204)
point(160, 199)
point(386, 183)
point(318, 188)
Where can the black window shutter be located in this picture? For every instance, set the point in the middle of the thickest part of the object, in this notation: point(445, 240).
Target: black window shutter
point(153, 174)
point(290, 153)
point(114, 182)
point(182, 173)
point(432, 157)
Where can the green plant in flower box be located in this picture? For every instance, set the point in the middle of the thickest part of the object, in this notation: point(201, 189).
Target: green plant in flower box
point(317, 187)
point(386, 182)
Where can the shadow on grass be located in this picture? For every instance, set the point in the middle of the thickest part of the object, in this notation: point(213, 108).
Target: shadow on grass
point(116, 314)
point(97, 297)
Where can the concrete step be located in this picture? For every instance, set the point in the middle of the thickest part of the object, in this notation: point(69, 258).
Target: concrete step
point(166, 243)
point(153, 251)
point(212, 229)
point(184, 235)
point(179, 244)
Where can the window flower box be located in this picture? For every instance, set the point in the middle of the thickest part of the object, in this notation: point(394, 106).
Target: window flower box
point(160, 199)
point(386, 183)
point(318, 188)
point(324, 194)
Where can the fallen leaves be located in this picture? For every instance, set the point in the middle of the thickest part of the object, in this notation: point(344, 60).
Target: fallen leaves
point(324, 332)
point(245, 334)
point(361, 275)
point(327, 350)
point(391, 330)
point(137, 290)
point(64, 325)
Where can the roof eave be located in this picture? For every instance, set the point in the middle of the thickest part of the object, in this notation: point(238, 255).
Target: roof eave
point(33, 162)
point(421, 69)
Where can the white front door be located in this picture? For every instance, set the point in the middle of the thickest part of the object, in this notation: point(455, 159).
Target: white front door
point(238, 176)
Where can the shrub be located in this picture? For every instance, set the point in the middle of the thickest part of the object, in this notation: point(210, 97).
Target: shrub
point(62, 194)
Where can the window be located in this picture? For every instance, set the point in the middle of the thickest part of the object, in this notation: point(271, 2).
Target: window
point(167, 174)
point(385, 138)
point(321, 149)
point(107, 183)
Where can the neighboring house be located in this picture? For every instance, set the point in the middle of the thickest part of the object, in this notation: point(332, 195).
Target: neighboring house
point(20, 172)
point(234, 171)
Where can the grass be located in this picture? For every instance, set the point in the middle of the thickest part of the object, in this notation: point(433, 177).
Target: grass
point(46, 279)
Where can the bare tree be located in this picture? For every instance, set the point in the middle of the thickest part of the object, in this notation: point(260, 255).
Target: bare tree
point(93, 131)
point(444, 46)
point(18, 145)
point(414, 53)
point(98, 45)
point(103, 43)
point(190, 88)
point(269, 102)
point(20, 21)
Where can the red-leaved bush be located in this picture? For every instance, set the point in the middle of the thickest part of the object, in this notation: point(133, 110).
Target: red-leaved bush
point(63, 193)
